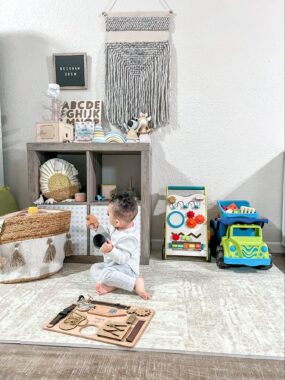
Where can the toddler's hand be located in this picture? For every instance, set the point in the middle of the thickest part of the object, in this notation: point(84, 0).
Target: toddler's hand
point(92, 222)
point(106, 247)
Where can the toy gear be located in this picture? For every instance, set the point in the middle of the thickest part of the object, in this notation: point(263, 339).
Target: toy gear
point(139, 311)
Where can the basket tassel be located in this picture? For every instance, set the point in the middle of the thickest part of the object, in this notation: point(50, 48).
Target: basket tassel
point(17, 258)
point(2, 262)
point(68, 251)
point(50, 252)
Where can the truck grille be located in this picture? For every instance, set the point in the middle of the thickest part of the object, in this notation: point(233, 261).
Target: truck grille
point(249, 251)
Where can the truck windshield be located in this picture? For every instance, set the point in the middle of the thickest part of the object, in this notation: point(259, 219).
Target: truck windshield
point(245, 232)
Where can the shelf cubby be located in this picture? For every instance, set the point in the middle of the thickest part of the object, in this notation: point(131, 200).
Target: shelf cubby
point(98, 164)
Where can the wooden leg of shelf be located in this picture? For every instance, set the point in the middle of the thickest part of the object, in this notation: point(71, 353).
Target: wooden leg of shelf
point(145, 207)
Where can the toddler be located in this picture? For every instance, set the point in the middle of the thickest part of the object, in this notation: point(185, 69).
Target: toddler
point(120, 268)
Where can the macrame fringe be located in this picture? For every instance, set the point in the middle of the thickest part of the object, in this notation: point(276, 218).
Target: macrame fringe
point(3, 262)
point(50, 252)
point(17, 258)
point(137, 80)
point(68, 250)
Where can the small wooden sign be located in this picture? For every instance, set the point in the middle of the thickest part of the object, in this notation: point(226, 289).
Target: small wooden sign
point(70, 70)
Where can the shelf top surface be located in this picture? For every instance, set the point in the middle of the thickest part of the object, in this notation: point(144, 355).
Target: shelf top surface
point(92, 147)
point(92, 203)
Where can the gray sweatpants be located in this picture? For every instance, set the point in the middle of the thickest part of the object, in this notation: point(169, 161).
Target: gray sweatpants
point(119, 276)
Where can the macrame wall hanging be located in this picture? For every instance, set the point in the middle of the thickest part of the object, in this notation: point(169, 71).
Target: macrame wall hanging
point(137, 66)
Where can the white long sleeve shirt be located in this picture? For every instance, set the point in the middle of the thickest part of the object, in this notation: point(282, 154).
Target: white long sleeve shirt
point(126, 249)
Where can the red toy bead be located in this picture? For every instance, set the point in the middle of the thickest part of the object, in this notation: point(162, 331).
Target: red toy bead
point(190, 214)
point(191, 223)
point(200, 219)
point(175, 236)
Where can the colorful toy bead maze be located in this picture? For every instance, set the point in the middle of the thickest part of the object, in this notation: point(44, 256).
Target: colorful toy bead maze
point(186, 232)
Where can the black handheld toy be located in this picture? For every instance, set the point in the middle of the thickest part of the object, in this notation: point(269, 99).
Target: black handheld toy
point(100, 239)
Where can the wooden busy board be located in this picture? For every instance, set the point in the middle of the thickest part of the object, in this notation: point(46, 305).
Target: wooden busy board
point(106, 324)
point(186, 231)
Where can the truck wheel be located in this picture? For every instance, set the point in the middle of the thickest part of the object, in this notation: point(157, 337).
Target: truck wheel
point(213, 243)
point(220, 258)
point(209, 253)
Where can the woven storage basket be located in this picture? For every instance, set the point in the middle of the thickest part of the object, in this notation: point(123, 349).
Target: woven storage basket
point(22, 226)
point(32, 246)
point(33, 253)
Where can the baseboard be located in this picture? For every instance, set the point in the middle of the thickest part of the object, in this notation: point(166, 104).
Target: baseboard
point(83, 259)
point(156, 244)
point(274, 247)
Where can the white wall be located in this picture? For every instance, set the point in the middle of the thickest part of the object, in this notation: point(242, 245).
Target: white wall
point(1, 155)
point(226, 129)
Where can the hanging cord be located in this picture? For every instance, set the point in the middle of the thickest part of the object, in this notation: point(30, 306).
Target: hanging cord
point(104, 13)
point(162, 2)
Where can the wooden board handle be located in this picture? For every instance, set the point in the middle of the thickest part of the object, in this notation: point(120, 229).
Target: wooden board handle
point(130, 338)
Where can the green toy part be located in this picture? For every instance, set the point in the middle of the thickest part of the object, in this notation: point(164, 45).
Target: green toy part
point(244, 245)
point(7, 201)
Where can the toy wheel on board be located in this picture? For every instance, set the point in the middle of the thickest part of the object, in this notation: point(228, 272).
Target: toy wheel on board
point(220, 258)
point(266, 267)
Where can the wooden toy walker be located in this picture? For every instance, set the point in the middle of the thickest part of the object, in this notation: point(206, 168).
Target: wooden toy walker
point(186, 232)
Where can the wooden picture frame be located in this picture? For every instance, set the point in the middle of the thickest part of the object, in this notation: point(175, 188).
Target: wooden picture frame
point(70, 70)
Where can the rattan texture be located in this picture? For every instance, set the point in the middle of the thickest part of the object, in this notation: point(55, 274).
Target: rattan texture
point(42, 224)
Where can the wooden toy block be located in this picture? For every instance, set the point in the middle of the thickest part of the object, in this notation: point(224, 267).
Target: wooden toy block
point(113, 330)
point(108, 190)
point(232, 206)
point(54, 132)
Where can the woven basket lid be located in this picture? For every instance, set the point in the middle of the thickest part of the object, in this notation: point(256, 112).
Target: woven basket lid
point(56, 175)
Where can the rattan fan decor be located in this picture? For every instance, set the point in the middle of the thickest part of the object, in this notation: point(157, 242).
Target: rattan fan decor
point(58, 179)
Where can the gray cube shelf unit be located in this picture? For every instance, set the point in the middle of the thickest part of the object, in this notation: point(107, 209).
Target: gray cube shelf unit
point(97, 163)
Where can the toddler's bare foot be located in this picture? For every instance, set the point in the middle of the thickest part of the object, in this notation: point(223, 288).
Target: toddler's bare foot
point(103, 289)
point(140, 290)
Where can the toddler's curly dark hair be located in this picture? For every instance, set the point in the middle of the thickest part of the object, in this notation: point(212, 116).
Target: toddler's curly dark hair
point(125, 206)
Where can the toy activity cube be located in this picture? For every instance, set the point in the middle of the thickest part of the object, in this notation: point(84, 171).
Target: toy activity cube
point(186, 232)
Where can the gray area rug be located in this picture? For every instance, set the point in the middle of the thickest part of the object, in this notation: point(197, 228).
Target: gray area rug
point(199, 309)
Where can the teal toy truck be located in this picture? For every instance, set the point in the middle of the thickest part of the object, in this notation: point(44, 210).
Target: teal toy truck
point(243, 245)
